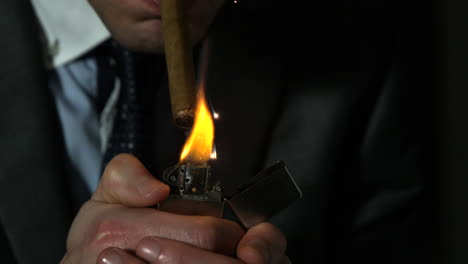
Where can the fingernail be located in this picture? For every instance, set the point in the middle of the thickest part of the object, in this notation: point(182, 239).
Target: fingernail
point(261, 247)
point(149, 250)
point(111, 257)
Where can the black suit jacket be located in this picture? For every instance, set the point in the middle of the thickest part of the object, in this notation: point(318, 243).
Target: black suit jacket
point(338, 108)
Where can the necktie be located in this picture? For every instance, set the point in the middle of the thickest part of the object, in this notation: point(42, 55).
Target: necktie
point(116, 63)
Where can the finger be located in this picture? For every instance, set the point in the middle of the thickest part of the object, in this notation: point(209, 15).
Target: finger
point(263, 243)
point(117, 256)
point(126, 181)
point(125, 227)
point(210, 233)
point(161, 251)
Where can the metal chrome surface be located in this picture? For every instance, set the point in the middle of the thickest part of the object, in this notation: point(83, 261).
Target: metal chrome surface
point(265, 195)
point(193, 191)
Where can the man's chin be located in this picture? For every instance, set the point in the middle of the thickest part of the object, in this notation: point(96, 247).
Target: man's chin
point(147, 36)
point(144, 45)
point(143, 36)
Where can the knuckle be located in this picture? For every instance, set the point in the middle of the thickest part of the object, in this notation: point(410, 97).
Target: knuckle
point(279, 238)
point(273, 235)
point(112, 172)
point(112, 176)
point(107, 232)
point(111, 181)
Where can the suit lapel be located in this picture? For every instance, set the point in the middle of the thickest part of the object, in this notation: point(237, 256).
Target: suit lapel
point(33, 199)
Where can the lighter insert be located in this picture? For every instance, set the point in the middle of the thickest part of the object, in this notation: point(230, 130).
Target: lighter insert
point(194, 191)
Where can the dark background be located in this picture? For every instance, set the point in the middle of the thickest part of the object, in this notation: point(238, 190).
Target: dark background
point(435, 39)
point(323, 36)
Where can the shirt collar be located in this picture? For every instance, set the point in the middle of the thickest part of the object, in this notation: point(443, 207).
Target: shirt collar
point(72, 28)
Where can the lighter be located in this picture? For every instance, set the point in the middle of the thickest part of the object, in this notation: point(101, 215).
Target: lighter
point(196, 191)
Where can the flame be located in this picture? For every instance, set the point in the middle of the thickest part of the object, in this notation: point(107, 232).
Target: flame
point(214, 154)
point(198, 148)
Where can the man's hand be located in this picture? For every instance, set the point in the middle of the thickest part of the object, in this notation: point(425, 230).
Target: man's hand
point(117, 217)
point(262, 244)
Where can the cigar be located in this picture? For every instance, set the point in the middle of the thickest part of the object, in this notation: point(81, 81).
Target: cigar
point(179, 60)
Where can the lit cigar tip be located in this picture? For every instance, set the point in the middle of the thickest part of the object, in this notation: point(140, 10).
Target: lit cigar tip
point(184, 118)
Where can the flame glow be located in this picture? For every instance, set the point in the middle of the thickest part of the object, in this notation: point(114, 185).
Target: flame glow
point(198, 148)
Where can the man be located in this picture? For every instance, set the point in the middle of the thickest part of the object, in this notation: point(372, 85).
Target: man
point(340, 128)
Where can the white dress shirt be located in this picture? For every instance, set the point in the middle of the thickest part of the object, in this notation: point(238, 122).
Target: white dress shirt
point(72, 28)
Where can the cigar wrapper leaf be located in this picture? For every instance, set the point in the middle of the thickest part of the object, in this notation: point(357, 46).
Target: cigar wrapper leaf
point(179, 59)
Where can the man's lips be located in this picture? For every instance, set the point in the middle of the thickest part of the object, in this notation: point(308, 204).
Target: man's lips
point(157, 3)
point(154, 4)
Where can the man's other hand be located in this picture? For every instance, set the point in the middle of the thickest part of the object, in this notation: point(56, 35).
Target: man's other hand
point(118, 217)
point(262, 244)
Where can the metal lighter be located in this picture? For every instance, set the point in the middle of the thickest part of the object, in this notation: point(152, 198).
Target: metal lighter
point(196, 191)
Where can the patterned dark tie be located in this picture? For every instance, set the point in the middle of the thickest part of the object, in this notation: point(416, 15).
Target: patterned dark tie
point(127, 133)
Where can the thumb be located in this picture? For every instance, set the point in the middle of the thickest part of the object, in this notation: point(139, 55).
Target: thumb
point(126, 181)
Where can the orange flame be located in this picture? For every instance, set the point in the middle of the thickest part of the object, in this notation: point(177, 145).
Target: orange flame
point(198, 148)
